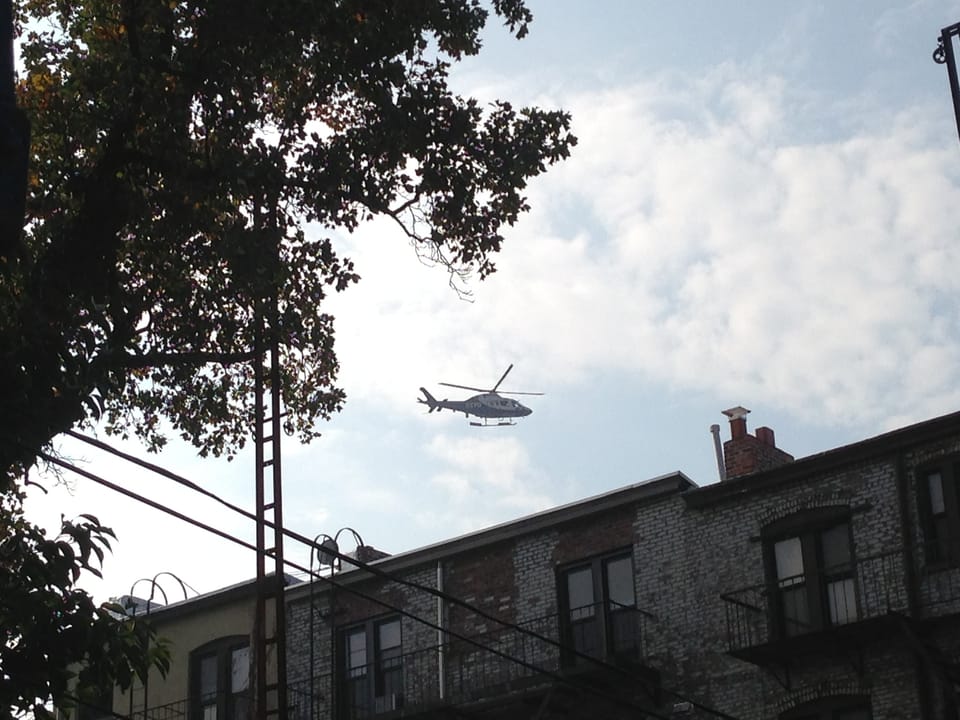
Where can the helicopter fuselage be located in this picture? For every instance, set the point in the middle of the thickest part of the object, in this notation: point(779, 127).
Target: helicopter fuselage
point(489, 404)
point(485, 405)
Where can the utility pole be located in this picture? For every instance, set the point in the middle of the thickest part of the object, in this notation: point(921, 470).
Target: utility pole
point(271, 681)
point(945, 55)
point(14, 145)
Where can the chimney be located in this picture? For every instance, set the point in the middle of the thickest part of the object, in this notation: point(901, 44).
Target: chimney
point(368, 553)
point(743, 453)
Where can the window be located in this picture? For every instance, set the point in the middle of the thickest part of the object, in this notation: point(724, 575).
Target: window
point(835, 708)
point(812, 573)
point(939, 501)
point(220, 680)
point(598, 608)
point(372, 669)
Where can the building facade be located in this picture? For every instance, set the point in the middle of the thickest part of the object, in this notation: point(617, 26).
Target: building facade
point(824, 587)
point(211, 668)
point(525, 619)
point(837, 576)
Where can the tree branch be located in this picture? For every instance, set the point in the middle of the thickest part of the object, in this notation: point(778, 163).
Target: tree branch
point(153, 359)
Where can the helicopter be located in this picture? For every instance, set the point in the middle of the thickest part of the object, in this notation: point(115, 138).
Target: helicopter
point(489, 405)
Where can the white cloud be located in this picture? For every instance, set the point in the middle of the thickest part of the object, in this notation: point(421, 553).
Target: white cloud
point(757, 232)
point(701, 248)
point(484, 478)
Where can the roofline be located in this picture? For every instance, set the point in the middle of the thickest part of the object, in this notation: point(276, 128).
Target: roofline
point(675, 482)
point(888, 443)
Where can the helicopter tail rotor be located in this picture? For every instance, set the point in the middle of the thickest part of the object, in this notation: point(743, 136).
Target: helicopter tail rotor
point(430, 401)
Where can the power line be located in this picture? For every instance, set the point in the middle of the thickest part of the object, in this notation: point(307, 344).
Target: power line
point(340, 586)
point(378, 572)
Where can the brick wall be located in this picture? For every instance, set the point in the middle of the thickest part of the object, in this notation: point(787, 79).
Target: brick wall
point(744, 453)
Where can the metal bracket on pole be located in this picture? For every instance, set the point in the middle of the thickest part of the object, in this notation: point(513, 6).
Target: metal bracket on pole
point(945, 55)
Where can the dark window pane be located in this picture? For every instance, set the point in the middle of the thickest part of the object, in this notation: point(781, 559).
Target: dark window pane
point(935, 488)
point(836, 547)
point(357, 652)
point(359, 697)
point(240, 707)
point(208, 676)
point(585, 635)
point(940, 542)
point(625, 633)
point(389, 666)
point(620, 582)
point(391, 683)
point(795, 611)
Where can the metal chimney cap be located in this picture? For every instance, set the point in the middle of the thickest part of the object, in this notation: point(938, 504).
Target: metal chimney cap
point(735, 413)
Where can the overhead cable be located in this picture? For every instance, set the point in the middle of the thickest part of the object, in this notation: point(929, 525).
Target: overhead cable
point(366, 596)
point(385, 575)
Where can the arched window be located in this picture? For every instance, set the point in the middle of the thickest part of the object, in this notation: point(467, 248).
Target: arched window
point(220, 680)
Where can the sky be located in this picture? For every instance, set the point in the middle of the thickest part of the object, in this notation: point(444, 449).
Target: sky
point(761, 211)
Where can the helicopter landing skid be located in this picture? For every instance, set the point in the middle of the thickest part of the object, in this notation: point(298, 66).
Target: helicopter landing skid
point(500, 423)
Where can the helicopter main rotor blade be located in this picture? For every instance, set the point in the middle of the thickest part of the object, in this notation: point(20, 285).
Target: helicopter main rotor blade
point(516, 392)
point(465, 387)
point(502, 377)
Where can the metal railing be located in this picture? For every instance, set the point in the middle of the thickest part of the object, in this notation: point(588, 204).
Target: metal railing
point(506, 660)
point(868, 588)
point(939, 577)
point(236, 705)
point(605, 631)
point(171, 711)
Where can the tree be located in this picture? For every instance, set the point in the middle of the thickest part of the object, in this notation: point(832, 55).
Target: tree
point(51, 632)
point(179, 148)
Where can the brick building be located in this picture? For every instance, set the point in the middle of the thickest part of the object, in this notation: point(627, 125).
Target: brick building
point(823, 587)
point(830, 581)
point(566, 623)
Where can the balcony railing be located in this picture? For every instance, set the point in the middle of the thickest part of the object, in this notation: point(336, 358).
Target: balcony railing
point(506, 660)
point(762, 614)
point(494, 664)
point(179, 710)
point(939, 578)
